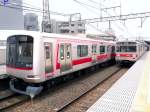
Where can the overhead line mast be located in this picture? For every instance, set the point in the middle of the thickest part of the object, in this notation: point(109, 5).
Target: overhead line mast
point(46, 22)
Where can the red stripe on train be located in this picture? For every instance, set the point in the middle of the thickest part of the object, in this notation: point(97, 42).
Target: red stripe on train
point(21, 68)
point(102, 56)
point(57, 65)
point(77, 62)
point(124, 55)
point(81, 61)
point(113, 55)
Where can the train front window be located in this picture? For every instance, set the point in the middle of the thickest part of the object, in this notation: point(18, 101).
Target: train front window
point(25, 52)
point(131, 48)
point(20, 51)
point(126, 48)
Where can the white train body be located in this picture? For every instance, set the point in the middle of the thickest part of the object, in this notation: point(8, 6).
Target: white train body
point(129, 51)
point(37, 57)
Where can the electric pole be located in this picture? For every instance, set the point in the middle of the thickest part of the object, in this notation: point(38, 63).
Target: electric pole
point(46, 22)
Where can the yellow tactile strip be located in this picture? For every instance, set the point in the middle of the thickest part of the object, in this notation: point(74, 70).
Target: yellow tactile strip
point(141, 103)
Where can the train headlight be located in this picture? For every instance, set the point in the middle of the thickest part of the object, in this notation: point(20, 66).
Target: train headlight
point(134, 55)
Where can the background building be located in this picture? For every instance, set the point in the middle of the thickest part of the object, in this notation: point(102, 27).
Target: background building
point(67, 27)
point(11, 15)
point(73, 27)
point(31, 22)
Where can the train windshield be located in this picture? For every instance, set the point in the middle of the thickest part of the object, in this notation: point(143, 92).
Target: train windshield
point(20, 51)
point(126, 48)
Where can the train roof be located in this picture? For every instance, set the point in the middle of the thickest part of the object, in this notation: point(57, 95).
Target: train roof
point(6, 33)
point(125, 41)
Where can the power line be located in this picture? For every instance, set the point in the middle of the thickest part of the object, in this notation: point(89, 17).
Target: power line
point(85, 4)
point(20, 7)
point(100, 19)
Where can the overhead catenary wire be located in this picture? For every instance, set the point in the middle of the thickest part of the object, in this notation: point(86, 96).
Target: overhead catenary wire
point(99, 18)
point(94, 8)
point(115, 14)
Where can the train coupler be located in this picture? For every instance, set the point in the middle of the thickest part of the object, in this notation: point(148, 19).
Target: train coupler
point(31, 91)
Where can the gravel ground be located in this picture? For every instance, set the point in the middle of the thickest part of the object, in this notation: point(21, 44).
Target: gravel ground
point(89, 99)
point(59, 96)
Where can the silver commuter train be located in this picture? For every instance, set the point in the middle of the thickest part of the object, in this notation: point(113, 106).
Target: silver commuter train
point(129, 50)
point(3, 39)
point(37, 57)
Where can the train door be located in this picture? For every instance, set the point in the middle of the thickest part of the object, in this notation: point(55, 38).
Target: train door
point(48, 57)
point(65, 57)
point(108, 51)
point(94, 53)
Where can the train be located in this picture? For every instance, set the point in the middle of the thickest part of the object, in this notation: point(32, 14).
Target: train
point(129, 51)
point(3, 39)
point(35, 57)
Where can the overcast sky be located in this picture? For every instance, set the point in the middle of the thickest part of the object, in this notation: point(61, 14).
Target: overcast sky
point(131, 29)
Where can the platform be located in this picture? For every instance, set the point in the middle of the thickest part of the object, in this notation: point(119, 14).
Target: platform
point(131, 93)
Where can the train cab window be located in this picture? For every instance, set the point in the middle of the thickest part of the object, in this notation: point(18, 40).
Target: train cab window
point(20, 51)
point(102, 49)
point(62, 52)
point(25, 52)
point(123, 49)
point(82, 50)
point(126, 48)
point(94, 48)
point(132, 49)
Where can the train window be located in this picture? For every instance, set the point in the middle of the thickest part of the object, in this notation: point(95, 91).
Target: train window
point(47, 51)
point(82, 50)
point(25, 52)
point(113, 49)
point(93, 48)
point(126, 48)
point(62, 52)
point(78, 50)
point(20, 51)
point(108, 48)
point(68, 51)
point(132, 49)
point(102, 49)
point(118, 49)
point(123, 48)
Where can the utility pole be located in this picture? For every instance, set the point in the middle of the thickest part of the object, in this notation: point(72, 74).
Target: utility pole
point(46, 22)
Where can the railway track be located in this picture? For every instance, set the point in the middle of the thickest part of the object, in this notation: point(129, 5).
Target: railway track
point(6, 94)
point(60, 97)
point(10, 99)
point(84, 93)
